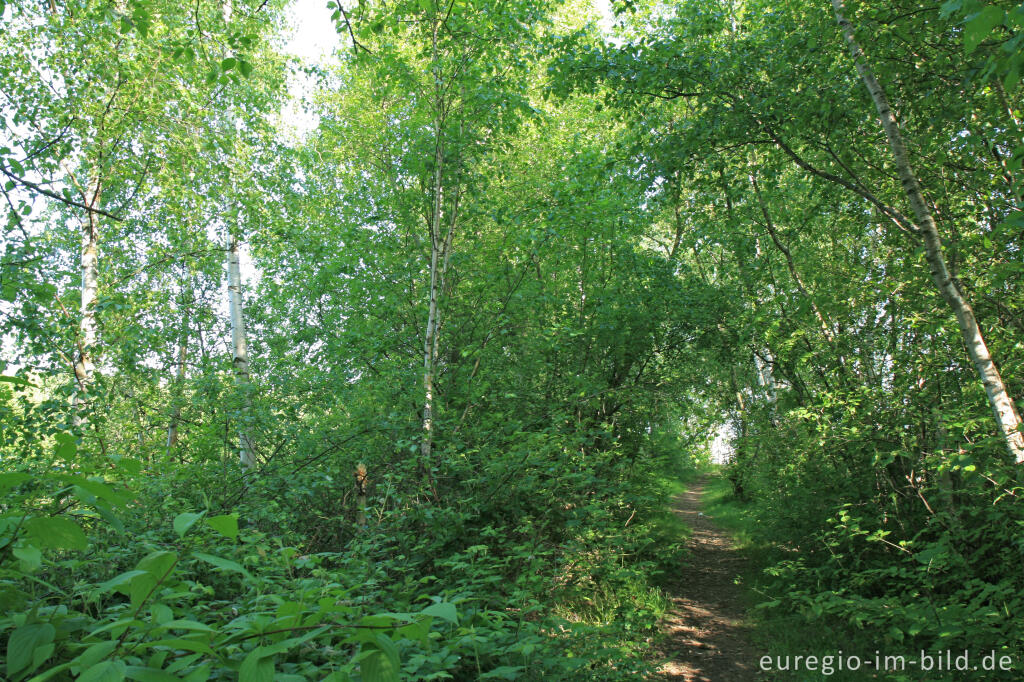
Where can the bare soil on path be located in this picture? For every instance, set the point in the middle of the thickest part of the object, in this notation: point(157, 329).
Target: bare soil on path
point(707, 638)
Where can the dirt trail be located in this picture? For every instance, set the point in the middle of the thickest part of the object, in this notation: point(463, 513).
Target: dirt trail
point(707, 640)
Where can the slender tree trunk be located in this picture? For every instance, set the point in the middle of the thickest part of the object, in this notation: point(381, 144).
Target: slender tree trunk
point(430, 336)
point(440, 254)
point(677, 212)
point(88, 339)
point(361, 484)
point(179, 380)
point(240, 348)
point(788, 254)
point(766, 377)
point(1007, 417)
point(739, 451)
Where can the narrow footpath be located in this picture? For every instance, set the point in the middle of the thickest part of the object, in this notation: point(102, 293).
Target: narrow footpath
point(707, 639)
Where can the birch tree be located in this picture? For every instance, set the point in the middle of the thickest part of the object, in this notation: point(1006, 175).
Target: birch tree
point(100, 100)
point(240, 352)
point(461, 60)
point(88, 339)
point(1007, 418)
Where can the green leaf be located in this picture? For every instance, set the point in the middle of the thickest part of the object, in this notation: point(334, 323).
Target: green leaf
point(120, 625)
point(66, 446)
point(1013, 221)
point(23, 642)
point(15, 380)
point(30, 556)
point(8, 481)
point(930, 554)
point(106, 514)
point(949, 7)
point(104, 671)
point(257, 666)
point(141, 19)
point(141, 674)
point(389, 648)
point(228, 64)
point(94, 654)
point(141, 588)
point(222, 563)
point(380, 664)
point(157, 563)
point(119, 581)
point(283, 646)
point(56, 533)
point(505, 672)
point(980, 25)
point(244, 67)
point(100, 490)
point(191, 625)
point(225, 524)
point(443, 610)
point(185, 520)
point(185, 644)
point(200, 674)
point(155, 566)
point(337, 676)
point(161, 613)
point(417, 631)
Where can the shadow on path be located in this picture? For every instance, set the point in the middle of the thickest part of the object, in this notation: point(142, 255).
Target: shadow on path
point(707, 641)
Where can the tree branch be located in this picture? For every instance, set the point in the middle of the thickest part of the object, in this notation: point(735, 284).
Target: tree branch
point(53, 195)
point(893, 214)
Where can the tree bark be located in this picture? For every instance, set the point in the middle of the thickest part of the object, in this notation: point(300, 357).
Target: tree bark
point(240, 348)
point(179, 380)
point(430, 335)
point(1007, 417)
point(440, 256)
point(88, 328)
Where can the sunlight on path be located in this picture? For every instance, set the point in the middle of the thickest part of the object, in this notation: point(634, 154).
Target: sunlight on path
point(707, 639)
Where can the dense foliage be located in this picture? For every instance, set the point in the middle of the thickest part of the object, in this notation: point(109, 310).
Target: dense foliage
point(864, 441)
point(481, 314)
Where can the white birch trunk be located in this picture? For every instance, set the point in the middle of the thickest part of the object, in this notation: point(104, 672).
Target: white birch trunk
point(766, 377)
point(1007, 417)
point(436, 255)
point(430, 336)
point(240, 353)
point(88, 338)
point(429, 362)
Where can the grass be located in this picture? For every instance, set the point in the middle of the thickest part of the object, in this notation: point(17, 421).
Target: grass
point(776, 633)
point(624, 601)
point(729, 513)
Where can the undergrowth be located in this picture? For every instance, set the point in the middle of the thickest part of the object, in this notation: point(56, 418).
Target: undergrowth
point(894, 615)
point(469, 590)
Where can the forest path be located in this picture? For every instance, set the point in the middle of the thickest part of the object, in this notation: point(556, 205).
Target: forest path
point(707, 639)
